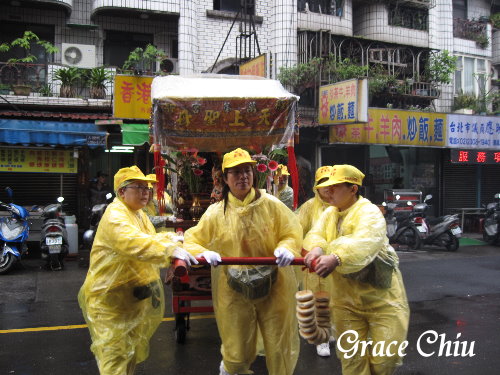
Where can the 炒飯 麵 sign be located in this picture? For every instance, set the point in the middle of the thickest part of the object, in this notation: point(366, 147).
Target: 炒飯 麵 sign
point(44, 161)
point(132, 97)
point(343, 102)
point(394, 127)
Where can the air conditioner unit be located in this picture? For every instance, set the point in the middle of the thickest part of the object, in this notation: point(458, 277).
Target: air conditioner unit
point(80, 55)
point(168, 65)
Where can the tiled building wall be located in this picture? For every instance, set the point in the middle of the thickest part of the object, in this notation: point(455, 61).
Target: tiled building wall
point(335, 24)
point(372, 22)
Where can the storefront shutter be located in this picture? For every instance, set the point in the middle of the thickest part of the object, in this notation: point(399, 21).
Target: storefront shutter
point(459, 185)
point(40, 189)
point(490, 182)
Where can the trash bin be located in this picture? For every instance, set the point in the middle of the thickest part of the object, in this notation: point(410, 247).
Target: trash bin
point(72, 230)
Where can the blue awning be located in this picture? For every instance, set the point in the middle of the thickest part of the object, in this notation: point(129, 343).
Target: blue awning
point(52, 133)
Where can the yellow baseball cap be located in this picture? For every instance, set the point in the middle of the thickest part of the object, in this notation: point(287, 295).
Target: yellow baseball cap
point(343, 173)
point(284, 170)
point(236, 157)
point(131, 173)
point(322, 172)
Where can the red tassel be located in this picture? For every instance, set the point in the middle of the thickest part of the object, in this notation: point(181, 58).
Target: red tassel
point(294, 174)
point(160, 177)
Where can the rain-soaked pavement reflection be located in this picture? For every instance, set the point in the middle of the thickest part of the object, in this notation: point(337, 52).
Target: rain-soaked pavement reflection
point(455, 297)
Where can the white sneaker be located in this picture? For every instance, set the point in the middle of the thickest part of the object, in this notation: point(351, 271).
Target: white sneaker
point(323, 350)
point(222, 370)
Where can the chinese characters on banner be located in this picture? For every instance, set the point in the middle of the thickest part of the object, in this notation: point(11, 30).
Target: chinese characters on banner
point(343, 102)
point(223, 124)
point(394, 127)
point(26, 160)
point(255, 67)
point(132, 98)
point(475, 156)
point(473, 132)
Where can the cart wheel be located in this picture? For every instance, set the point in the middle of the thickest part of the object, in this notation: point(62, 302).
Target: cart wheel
point(180, 330)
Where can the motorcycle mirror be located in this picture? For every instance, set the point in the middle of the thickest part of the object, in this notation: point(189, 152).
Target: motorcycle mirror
point(109, 196)
point(9, 191)
point(60, 199)
point(409, 203)
point(497, 196)
point(384, 204)
point(427, 197)
point(398, 196)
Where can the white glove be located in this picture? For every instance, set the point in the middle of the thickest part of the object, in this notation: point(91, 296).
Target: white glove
point(180, 253)
point(178, 238)
point(283, 256)
point(213, 258)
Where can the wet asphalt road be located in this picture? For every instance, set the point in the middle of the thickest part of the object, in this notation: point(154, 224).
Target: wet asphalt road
point(449, 293)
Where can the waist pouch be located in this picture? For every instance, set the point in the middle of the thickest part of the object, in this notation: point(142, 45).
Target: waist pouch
point(252, 282)
point(150, 290)
point(378, 273)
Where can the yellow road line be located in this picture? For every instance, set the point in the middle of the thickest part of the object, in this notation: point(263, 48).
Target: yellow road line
point(79, 326)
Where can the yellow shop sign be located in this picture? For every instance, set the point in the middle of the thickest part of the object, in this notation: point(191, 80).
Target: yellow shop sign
point(394, 127)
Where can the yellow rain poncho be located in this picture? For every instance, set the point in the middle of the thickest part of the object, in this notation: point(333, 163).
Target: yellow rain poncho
point(122, 297)
point(252, 228)
point(357, 236)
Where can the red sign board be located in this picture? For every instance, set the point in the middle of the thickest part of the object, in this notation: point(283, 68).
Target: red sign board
point(475, 157)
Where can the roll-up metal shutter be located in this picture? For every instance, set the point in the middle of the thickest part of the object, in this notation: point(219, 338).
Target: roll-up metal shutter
point(40, 189)
point(490, 182)
point(459, 185)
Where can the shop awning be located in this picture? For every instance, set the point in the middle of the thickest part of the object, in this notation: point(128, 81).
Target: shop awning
point(135, 134)
point(52, 133)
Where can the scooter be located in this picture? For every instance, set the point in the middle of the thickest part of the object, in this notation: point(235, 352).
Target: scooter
point(14, 231)
point(443, 231)
point(491, 222)
point(95, 217)
point(54, 238)
point(402, 234)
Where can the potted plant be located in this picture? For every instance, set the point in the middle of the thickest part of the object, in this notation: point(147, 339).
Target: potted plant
point(4, 89)
point(97, 79)
point(68, 76)
point(464, 104)
point(141, 59)
point(26, 42)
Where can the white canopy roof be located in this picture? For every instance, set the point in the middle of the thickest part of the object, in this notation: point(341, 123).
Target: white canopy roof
point(217, 86)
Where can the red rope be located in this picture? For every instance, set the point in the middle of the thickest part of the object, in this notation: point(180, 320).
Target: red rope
point(160, 177)
point(294, 174)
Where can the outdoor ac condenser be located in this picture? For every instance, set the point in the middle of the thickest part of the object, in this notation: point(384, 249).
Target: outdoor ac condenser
point(79, 55)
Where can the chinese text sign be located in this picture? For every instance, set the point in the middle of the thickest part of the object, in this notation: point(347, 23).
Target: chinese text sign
point(28, 160)
point(132, 97)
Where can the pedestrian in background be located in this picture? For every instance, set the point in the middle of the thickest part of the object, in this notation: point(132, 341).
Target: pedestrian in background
point(98, 188)
point(122, 297)
point(369, 298)
point(250, 223)
point(152, 208)
point(285, 192)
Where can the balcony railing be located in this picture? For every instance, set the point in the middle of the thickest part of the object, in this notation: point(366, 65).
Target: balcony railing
point(470, 29)
point(40, 78)
point(330, 7)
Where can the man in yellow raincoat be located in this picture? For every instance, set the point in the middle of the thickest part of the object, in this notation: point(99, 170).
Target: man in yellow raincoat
point(369, 298)
point(308, 214)
point(152, 209)
point(250, 223)
point(122, 297)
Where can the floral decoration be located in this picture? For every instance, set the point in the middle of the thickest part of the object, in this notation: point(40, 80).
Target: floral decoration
point(267, 165)
point(187, 164)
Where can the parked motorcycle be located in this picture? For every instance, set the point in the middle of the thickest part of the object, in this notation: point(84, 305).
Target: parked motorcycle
point(95, 217)
point(491, 222)
point(14, 231)
point(54, 238)
point(402, 233)
point(443, 231)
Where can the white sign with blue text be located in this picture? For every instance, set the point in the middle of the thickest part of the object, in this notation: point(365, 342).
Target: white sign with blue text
point(466, 131)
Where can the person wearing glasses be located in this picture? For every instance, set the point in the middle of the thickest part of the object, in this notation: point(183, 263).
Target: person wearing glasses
point(248, 222)
point(122, 295)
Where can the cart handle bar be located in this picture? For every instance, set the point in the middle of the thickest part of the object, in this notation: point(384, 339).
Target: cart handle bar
point(181, 269)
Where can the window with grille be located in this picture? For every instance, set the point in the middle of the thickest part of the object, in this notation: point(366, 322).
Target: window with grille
point(471, 76)
point(409, 17)
point(235, 6)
